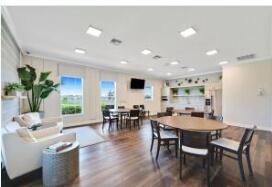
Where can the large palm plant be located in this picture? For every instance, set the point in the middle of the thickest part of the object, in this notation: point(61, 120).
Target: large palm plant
point(38, 90)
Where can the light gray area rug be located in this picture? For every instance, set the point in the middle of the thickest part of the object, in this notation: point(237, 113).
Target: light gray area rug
point(86, 136)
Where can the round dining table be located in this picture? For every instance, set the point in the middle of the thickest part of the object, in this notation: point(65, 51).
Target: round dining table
point(192, 123)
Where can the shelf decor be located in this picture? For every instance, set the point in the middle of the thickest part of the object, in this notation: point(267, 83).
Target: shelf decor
point(187, 91)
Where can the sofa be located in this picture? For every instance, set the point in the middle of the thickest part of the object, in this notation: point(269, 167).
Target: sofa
point(22, 147)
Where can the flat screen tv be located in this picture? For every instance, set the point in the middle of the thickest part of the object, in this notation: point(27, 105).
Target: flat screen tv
point(137, 83)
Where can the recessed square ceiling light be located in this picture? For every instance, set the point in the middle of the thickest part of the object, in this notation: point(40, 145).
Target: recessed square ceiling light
point(168, 74)
point(146, 52)
point(211, 52)
point(123, 62)
point(150, 69)
point(80, 51)
point(223, 62)
point(191, 69)
point(94, 31)
point(174, 63)
point(188, 32)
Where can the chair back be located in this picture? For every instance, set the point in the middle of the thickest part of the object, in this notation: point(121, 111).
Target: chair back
point(169, 109)
point(189, 108)
point(161, 114)
point(107, 107)
point(194, 139)
point(197, 114)
point(121, 107)
point(106, 113)
point(142, 107)
point(136, 106)
point(155, 128)
point(134, 113)
point(247, 137)
point(217, 118)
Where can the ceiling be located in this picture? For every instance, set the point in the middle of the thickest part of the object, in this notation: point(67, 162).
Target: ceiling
point(234, 31)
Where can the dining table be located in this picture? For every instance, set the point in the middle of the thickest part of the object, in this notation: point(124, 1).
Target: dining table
point(194, 124)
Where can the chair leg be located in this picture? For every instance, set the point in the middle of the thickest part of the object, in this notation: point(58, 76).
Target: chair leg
point(184, 159)
point(240, 161)
point(103, 124)
point(158, 149)
point(208, 171)
point(203, 162)
point(180, 164)
point(176, 146)
point(221, 154)
point(152, 142)
point(248, 161)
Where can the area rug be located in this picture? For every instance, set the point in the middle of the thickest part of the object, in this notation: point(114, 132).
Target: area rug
point(86, 136)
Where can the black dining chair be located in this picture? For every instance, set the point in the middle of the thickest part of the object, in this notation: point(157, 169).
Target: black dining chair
point(237, 149)
point(136, 107)
point(195, 144)
point(170, 110)
point(164, 138)
point(165, 127)
point(107, 117)
point(133, 117)
point(107, 107)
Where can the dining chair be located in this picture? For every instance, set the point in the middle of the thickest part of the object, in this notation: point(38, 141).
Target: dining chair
point(165, 127)
point(218, 133)
point(142, 107)
point(110, 118)
point(133, 117)
point(236, 148)
point(164, 138)
point(197, 114)
point(136, 107)
point(170, 110)
point(195, 144)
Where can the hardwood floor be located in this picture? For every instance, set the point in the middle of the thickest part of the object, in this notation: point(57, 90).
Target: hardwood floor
point(125, 160)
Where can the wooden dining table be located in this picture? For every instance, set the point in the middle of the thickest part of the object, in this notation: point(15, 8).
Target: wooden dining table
point(188, 123)
point(191, 123)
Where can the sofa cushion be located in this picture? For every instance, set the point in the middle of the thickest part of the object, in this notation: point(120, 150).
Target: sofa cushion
point(28, 119)
point(25, 134)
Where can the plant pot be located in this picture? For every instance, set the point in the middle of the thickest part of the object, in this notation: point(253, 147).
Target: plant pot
point(14, 93)
point(42, 114)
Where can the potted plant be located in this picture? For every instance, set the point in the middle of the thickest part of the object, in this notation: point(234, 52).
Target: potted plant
point(36, 91)
point(13, 89)
point(187, 91)
point(202, 90)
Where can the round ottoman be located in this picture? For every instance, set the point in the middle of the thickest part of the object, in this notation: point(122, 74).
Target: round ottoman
point(61, 167)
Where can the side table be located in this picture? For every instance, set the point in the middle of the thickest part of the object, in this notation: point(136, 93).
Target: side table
point(60, 168)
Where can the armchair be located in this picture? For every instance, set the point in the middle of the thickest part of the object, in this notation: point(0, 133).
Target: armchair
point(21, 155)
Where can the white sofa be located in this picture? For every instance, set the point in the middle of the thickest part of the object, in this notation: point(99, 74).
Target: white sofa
point(22, 155)
point(32, 118)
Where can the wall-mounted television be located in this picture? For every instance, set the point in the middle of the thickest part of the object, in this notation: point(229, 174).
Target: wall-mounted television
point(137, 83)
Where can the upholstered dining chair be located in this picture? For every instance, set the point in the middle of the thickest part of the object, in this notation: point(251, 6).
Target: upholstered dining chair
point(165, 138)
point(133, 117)
point(170, 110)
point(237, 149)
point(136, 106)
point(195, 144)
point(107, 117)
point(165, 127)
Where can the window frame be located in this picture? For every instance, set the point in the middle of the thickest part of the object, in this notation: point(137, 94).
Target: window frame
point(152, 93)
point(82, 90)
point(100, 91)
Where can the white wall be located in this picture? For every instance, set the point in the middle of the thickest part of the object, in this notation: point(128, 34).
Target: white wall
point(242, 105)
point(91, 79)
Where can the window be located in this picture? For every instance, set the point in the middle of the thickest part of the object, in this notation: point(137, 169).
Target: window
point(148, 92)
point(71, 92)
point(107, 93)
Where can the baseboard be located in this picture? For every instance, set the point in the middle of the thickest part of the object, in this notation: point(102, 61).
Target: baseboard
point(264, 128)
